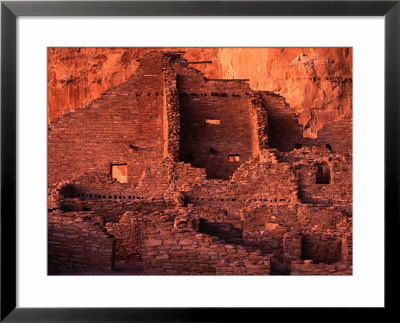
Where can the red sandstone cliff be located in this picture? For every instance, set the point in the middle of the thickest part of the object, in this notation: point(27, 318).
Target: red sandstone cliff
point(316, 82)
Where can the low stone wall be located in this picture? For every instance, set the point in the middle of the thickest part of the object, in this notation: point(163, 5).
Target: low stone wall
point(203, 240)
point(268, 241)
point(77, 244)
point(321, 247)
point(191, 254)
point(282, 244)
point(299, 215)
point(292, 244)
point(222, 230)
point(178, 248)
point(243, 267)
point(128, 235)
point(307, 267)
point(347, 248)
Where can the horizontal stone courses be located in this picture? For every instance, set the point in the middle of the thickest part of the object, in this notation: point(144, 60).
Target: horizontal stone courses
point(77, 245)
point(119, 196)
point(198, 242)
point(214, 94)
point(217, 179)
point(307, 267)
point(114, 196)
point(208, 199)
point(177, 254)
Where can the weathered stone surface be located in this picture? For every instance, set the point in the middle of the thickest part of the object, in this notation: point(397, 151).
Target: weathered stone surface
point(77, 76)
point(152, 242)
point(73, 250)
point(217, 179)
point(316, 82)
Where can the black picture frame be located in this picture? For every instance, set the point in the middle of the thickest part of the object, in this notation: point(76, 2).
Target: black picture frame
point(10, 10)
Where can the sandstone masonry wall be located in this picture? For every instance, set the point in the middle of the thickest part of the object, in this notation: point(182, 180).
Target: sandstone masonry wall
point(123, 126)
point(307, 163)
point(347, 248)
point(128, 234)
point(76, 243)
point(181, 250)
point(219, 180)
point(321, 247)
point(337, 134)
point(230, 130)
point(286, 133)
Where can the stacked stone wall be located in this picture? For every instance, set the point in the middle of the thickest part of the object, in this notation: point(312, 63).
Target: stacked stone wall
point(247, 187)
point(128, 233)
point(231, 105)
point(337, 192)
point(269, 242)
point(167, 176)
point(347, 248)
point(321, 247)
point(338, 135)
point(175, 246)
point(264, 177)
point(171, 242)
point(123, 126)
point(286, 133)
point(298, 215)
point(217, 181)
point(307, 267)
point(223, 230)
point(292, 246)
point(113, 207)
point(155, 182)
point(77, 244)
point(171, 109)
point(305, 163)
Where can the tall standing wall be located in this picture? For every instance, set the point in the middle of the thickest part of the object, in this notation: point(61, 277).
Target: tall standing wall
point(123, 126)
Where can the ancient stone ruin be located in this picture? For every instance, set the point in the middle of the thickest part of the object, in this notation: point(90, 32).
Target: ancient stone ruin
point(173, 173)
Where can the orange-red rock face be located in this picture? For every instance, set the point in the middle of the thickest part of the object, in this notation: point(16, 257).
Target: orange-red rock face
point(316, 82)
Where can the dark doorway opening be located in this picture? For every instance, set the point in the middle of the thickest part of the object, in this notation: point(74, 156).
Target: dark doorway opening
point(323, 174)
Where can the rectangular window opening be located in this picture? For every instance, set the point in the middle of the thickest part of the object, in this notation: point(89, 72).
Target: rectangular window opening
point(120, 172)
point(234, 158)
point(213, 121)
point(323, 174)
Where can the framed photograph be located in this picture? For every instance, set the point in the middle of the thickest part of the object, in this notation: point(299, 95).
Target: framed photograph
point(179, 155)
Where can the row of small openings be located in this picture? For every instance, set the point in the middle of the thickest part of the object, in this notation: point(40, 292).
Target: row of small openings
point(245, 200)
point(222, 94)
point(115, 197)
point(147, 93)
